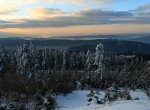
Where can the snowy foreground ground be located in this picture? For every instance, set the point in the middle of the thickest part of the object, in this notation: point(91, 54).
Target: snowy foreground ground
point(78, 101)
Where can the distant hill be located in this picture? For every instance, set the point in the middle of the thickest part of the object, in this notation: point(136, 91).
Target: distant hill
point(116, 47)
point(145, 39)
point(112, 46)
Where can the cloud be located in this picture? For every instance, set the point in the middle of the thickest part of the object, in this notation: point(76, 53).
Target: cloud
point(17, 2)
point(143, 8)
point(35, 9)
point(44, 13)
point(83, 2)
point(7, 10)
point(104, 14)
point(10, 8)
point(49, 17)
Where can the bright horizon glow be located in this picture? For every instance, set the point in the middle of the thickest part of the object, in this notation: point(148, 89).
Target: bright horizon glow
point(79, 30)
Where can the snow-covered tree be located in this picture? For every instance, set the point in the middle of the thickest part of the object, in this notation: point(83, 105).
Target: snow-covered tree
point(64, 60)
point(89, 59)
point(89, 63)
point(24, 59)
point(99, 62)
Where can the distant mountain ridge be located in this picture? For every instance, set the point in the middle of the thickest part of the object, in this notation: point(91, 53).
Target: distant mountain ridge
point(145, 39)
point(117, 47)
point(112, 46)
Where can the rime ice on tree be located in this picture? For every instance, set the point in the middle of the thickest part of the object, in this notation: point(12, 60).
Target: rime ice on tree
point(99, 61)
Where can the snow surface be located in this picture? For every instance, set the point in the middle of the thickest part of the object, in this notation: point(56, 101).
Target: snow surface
point(77, 100)
point(119, 105)
point(74, 100)
point(140, 94)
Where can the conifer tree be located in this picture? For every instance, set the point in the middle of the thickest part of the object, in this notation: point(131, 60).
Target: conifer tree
point(99, 63)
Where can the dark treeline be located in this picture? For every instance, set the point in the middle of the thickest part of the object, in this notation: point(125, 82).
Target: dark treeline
point(28, 72)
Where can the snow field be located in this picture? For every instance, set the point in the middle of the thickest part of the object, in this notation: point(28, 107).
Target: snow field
point(77, 100)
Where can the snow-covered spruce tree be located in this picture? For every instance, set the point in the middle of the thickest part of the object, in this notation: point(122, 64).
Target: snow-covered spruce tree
point(19, 58)
point(44, 56)
point(57, 60)
point(2, 60)
point(83, 59)
point(72, 62)
point(64, 60)
point(98, 61)
point(89, 63)
point(24, 59)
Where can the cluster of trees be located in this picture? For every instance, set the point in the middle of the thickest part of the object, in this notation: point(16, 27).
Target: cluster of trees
point(31, 70)
point(129, 71)
point(51, 67)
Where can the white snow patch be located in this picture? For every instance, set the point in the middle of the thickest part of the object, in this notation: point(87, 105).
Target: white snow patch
point(140, 94)
point(77, 100)
point(119, 105)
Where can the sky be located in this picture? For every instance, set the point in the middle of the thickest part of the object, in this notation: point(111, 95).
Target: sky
point(46, 18)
